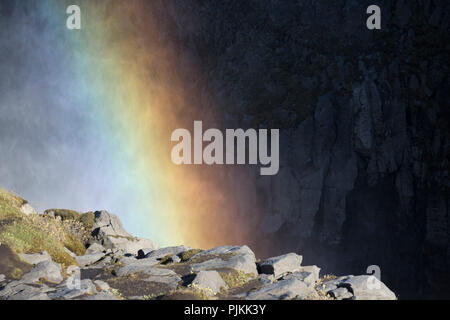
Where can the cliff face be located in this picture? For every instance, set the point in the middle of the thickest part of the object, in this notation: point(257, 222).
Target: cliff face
point(364, 124)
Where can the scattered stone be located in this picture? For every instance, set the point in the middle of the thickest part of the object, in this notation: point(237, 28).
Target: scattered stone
point(309, 275)
point(209, 281)
point(47, 270)
point(266, 278)
point(89, 259)
point(101, 296)
point(25, 292)
point(35, 258)
point(281, 290)
point(163, 252)
point(340, 294)
point(74, 289)
point(281, 265)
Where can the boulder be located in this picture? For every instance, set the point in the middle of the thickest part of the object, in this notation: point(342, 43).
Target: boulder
point(95, 248)
point(47, 270)
point(309, 275)
point(209, 281)
point(35, 258)
point(89, 259)
point(228, 257)
point(363, 287)
point(2, 278)
point(27, 209)
point(110, 232)
point(135, 266)
point(281, 290)
point(108, 224)
point(101, 285)
point(368, 287)
point(127, 245)
point(21, 291)
point(163, 252)
point(281, 265)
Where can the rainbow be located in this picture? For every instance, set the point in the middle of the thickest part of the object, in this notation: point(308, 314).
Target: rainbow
point(123, 75)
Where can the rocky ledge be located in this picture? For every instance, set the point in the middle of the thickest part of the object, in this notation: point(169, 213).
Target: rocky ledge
point(116, 266)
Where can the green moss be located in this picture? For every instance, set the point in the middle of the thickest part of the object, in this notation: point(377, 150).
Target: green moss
point(88, 219)
point(64, 214)
point(16, 273)
point(235, 278)
point(166, 259)
point(74, 245)
point(186, 255)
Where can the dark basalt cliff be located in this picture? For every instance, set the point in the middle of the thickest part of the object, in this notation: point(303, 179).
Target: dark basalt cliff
point(364, 125)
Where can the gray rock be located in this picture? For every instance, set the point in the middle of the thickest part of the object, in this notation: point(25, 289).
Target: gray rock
point(235, 250)
point(17, 290)
point(142, 265)
point(175, 258)
point(361, 287)
point(151, 273)
point(340, 293)
point(2, 278)
point(309, 275)
point(95, 248)
point(26, 292)
point(230, 257)
point(281, 265)
point(101, 296)
point(35, 258)
point(47, 270)
point(314, 270)
point(109, 230)
point(163, 252)
point(128, 245)
point(171, 280)
point(89, 259)
point(74, 290)
point(72, 270)
point(281, 290)
point(209, 281)
point(266, 278)
point(108, 224)
point(368, 288)
point(101, 285)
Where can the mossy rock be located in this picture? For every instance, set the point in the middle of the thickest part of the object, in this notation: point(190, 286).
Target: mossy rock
point(186, 255)
point(11, 265)
point(235, 278)
point(64, 214)
point(88, 219)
